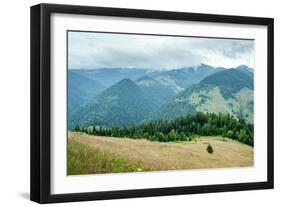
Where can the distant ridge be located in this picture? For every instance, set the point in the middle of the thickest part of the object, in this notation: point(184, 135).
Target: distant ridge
point(132, 96)
point(80, 90)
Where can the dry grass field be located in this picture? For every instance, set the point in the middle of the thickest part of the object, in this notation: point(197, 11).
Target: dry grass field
point(89, 154)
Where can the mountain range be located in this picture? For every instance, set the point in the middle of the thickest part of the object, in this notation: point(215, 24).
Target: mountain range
point(228, 91)
point(116, 97)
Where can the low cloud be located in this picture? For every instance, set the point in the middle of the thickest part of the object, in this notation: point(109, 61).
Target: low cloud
point(99, 50)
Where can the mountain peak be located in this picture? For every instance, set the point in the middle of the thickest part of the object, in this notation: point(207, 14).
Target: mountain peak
point(243, 66)
point(125, 81)
point(245, 69)
point(119, 105)
point(126, 85)
point(229, 81)
point(203, 64)
point(225, 76)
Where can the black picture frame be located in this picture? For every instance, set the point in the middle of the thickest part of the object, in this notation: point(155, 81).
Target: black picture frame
point(41, 97)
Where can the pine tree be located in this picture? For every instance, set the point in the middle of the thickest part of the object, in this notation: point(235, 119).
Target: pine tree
point(210, 149)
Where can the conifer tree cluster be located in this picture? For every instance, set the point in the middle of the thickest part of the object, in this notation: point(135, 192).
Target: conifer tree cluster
point(181, 128)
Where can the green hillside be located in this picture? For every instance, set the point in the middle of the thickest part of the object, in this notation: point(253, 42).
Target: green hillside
point(119, 105)
point(228, 92)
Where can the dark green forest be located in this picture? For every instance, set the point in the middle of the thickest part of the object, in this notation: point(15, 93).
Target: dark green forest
point(181, 128)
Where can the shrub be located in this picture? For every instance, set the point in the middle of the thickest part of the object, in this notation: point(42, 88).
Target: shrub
point(210, 149)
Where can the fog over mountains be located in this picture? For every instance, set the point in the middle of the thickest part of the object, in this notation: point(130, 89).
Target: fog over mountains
point(122, 97)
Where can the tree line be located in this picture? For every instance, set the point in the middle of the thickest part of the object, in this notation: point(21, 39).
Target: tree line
point(181, 128)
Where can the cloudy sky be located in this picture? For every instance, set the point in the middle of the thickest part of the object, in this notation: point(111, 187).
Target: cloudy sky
point(89, 50)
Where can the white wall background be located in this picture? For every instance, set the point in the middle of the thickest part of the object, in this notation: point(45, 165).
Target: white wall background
point(14, 102)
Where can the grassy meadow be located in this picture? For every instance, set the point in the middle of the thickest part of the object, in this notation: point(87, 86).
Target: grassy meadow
point(91, 154)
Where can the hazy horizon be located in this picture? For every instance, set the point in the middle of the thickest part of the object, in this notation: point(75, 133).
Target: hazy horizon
point(153, 69)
